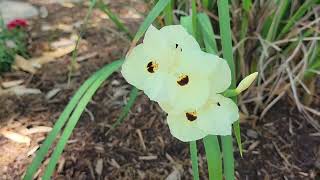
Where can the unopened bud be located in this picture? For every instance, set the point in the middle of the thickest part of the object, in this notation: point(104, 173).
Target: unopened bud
point(246, 82)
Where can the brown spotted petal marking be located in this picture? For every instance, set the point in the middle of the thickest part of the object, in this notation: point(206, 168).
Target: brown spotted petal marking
point(191, 116)
point(152, 66)
point(183, 126)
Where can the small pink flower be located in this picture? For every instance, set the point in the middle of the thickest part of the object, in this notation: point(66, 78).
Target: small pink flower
point(17, 23)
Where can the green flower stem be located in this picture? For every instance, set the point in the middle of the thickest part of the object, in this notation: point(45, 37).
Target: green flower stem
point(194, 159)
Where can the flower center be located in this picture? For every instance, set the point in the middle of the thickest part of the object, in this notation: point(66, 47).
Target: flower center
point(152, 66)
point(183, 80)
point(191, 116)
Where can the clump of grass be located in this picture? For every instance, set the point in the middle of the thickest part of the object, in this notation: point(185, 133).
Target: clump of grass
point(12, 42)
point(280, 39)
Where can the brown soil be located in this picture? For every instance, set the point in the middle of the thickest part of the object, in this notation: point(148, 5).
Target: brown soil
point(282, 145)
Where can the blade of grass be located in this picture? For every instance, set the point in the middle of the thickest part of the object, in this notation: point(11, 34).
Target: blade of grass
point(205, 4)
point(214, 159)
point(228, 159)
point(226, 42)
point(246, 5)
point(273, 29)
point(75, 52)
point(207, 33)
point(186, 22)
point(225, 30)
point(76, 116)
point(194, 159)
point(240, 64)
point(297, 15)
point(313, 62)
point(194, 20)
point(168, 13)
point(114, 18)
point(153, 14)
point(125, 110)
point(59, 124)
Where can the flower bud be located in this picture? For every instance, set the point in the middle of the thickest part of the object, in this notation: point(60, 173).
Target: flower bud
point(246, 82)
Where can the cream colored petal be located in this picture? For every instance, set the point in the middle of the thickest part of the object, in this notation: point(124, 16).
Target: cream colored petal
point(188, 84)
point(217, 116)
point(196, 62)
point(135, 68)
point(151, 35)
point(220, 78)
point(154, 40)
point(177, 34)
point(155, 88)
point(183, 129)
point(194, 94)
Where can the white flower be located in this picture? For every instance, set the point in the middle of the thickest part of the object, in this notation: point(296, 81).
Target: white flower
point(171, 69)
point(198, 76)
point(150, 65)
point(214, 118)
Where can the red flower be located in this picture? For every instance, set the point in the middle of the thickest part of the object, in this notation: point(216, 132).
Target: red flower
point(17, 23)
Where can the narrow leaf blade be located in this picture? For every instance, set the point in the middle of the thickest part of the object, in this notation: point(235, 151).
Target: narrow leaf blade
point(156, 10)
point(214, 159)
point(194, 159)
point(110, 68)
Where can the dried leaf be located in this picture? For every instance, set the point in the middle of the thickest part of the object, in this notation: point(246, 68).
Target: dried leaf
point(23, 64)
point(174, 175)
point(52, 93)
point(20, 91)
point(10, 84)
point(51, 56)
point(19, 138)
point(99, 166)
point(33, 150)
point(38, 129)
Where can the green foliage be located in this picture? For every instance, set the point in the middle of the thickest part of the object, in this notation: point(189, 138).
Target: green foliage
point(297, 15)
point(153, 14)
point(207, 33)
point(41, 153)
point(168, 13)
point(246, 5)
point(273, 29)
point(114, 18)
point(226, 42)
point(194, 159)
point(214, 158)
point(75, 116)
point(12, 42)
